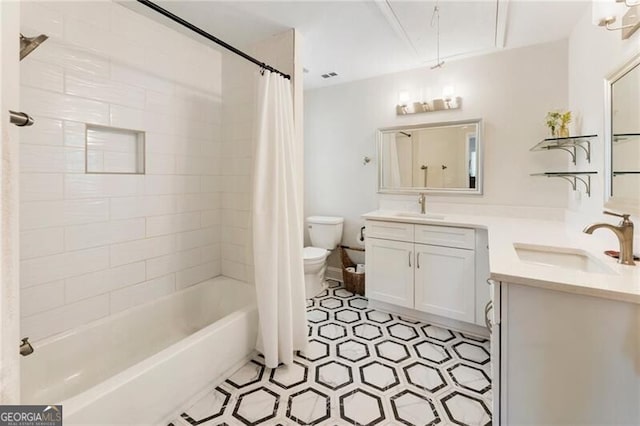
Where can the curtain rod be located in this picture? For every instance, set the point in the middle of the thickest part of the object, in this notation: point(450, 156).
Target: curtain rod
point(208, 36)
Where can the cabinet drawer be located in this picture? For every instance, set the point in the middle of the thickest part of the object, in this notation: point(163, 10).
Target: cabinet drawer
point(445, 236)
point(389, 230)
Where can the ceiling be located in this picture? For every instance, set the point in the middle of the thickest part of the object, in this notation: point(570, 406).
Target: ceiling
point(362, 39)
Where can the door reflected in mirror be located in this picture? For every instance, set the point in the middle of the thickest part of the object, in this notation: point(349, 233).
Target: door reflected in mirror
point(442, 157)
point(623, 137)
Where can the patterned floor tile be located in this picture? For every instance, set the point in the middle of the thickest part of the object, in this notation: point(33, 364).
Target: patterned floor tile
point(472, 352)
point(411, 408)
point(361, 367)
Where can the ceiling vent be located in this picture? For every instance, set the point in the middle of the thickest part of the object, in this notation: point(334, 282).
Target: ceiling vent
point(329, 75)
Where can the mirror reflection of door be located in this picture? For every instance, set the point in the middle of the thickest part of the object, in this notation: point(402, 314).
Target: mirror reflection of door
point(472, 158)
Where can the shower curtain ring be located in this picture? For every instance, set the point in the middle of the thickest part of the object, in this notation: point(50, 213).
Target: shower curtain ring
point(262, 68)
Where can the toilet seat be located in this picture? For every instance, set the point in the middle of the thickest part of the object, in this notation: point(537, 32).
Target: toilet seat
point(314, 254)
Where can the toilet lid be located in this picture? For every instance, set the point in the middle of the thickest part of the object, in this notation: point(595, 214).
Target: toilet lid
point(314, 253)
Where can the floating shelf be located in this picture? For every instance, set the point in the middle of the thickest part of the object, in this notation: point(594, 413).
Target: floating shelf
point(569, 144)
point(626, 137)
point(621, 172)
point(572, 178)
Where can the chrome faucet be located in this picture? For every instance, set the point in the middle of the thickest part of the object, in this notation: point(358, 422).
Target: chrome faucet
point(25, 347)
point(624, 232)
point(422, 200)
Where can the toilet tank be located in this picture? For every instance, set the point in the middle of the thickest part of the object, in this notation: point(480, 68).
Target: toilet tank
point(325, 231)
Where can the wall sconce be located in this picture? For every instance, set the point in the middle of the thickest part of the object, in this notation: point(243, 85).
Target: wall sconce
point(448, 101)
point(606, 12)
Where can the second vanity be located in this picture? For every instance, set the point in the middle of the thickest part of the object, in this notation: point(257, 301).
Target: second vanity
point(564, 318)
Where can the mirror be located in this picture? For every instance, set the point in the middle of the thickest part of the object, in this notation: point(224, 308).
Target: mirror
point(622, 132)
point(431, 158)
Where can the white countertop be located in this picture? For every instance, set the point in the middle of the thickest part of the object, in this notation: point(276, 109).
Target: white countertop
point(622, 284)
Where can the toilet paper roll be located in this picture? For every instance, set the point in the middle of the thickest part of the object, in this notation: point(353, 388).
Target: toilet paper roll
point(360, 268)
point(351, 269)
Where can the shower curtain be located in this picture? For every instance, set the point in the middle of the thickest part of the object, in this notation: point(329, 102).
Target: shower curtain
point(391, 167)
point(277, 233)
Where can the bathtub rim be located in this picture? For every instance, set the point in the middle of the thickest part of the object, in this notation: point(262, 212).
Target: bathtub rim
point(78, 402)
point(100, 321)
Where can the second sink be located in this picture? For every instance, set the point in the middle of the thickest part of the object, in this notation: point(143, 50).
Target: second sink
point(561, 257)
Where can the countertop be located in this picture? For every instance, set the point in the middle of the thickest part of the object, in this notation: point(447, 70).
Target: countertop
point(622, 283)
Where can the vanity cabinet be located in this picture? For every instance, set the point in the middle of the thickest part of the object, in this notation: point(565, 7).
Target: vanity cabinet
point(426, 268)
point(443, 281)
point(564, 358)
point(390, 271)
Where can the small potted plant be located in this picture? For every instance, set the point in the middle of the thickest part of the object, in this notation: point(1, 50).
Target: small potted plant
point(552, 120)
point(565, 119)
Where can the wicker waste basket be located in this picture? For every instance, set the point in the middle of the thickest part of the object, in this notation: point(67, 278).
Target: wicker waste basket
point(353, 282)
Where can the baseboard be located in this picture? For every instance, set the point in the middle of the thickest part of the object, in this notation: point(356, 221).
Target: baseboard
point(334, 273)
point(451, 324)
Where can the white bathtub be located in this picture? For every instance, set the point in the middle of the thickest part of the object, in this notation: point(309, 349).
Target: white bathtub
point(140, 366)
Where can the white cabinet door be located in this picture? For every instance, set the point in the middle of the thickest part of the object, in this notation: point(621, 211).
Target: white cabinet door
point(445, 282)
point(390, 271)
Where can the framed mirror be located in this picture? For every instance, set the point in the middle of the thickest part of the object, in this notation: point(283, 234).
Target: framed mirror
point(436, 158)
point(622, 138)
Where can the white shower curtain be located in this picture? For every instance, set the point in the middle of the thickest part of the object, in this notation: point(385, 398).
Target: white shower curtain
point(390, 162)
point(277, 233)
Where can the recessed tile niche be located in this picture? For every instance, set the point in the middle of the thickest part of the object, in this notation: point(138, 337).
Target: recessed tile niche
point(113, 150)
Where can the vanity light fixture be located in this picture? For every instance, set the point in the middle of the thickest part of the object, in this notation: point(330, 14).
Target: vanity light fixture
point(448, 101)
point(606, 12)
point(434, 105)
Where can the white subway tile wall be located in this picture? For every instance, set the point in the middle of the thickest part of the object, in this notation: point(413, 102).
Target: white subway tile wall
point(236, 165)
point(94, 245)
point(239, 118)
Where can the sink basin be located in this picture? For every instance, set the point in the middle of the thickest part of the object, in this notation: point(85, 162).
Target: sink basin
point(421, 215)
point(561, 257)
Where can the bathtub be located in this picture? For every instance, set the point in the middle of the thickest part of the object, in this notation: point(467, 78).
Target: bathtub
point(140, 366)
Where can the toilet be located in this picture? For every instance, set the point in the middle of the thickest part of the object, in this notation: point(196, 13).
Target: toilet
point(325, 233)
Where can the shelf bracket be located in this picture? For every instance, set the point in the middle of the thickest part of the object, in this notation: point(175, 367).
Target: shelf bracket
point(587, 150)
point(571, 151)
point(587, 184)
point(573, 180)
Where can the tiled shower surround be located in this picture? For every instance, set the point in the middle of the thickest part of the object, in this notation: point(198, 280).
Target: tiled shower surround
point(362, 367)
point(93, 245)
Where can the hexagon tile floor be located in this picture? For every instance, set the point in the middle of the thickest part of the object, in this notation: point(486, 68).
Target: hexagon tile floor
point(362, 367)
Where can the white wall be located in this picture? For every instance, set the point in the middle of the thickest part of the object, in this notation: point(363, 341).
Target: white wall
point(594, 53)
point(94, 245)
point(511, 91)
